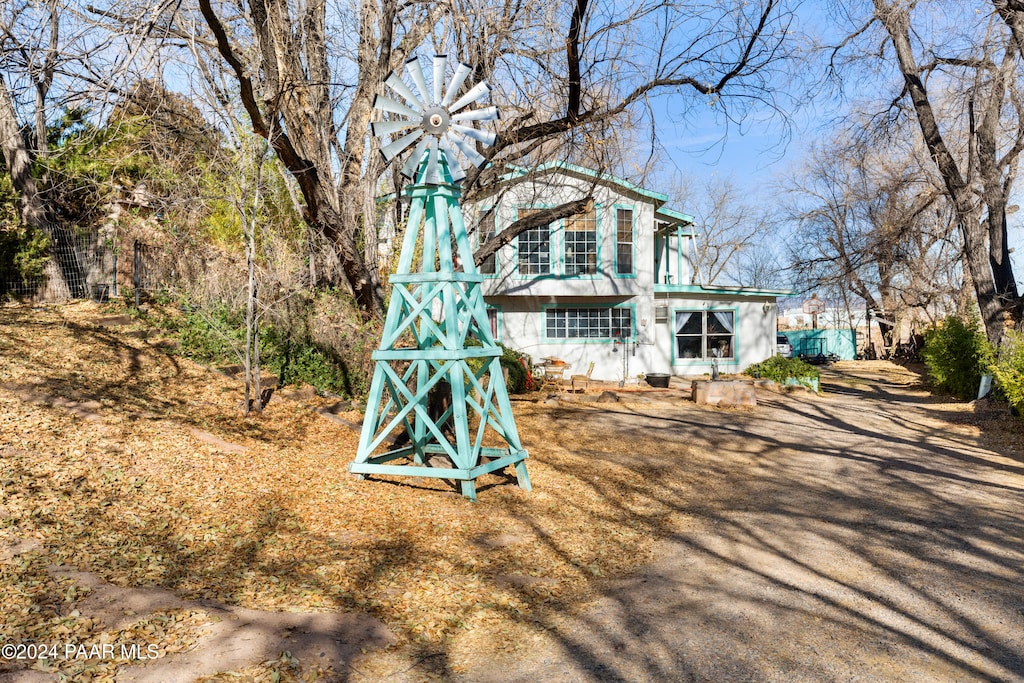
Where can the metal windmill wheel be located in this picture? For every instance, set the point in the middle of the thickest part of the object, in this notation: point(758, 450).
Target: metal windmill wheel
point(438, 123)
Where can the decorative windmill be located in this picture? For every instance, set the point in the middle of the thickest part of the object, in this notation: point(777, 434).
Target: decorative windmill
point(443, 396)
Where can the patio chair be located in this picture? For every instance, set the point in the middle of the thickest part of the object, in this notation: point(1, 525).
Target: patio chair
point(582, 381)
point(554, 377)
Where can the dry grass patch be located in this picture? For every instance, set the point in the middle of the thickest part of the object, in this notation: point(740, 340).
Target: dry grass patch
point(120, 459)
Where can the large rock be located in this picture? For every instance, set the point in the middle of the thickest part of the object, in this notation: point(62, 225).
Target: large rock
point(724, 392)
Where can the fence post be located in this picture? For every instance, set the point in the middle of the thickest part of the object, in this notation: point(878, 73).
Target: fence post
point(135, 273)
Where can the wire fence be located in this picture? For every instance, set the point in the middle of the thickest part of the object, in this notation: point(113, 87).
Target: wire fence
point(150, 270)
point(93, 264)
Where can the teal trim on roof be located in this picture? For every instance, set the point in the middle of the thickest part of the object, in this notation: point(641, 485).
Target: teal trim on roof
point(669, 215)
point(520, 171)
point(674, 215)
point(721, 289)
point(658, 199)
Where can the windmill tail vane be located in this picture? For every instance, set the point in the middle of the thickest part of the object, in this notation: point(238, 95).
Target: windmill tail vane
point(436, 119)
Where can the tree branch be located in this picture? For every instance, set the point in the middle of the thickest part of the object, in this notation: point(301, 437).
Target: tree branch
point(542, 217)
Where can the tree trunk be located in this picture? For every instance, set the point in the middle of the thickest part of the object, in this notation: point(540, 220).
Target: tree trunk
point(996, 188)
point(33, 212)
point(896, 21)
point(299, 143)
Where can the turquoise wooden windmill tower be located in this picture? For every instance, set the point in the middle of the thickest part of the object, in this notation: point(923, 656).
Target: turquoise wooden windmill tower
point(437, 342)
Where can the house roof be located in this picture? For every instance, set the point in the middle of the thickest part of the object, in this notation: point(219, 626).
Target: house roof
point(674, 217)
point(657, 198)
point(662, 213)
point(721, 289)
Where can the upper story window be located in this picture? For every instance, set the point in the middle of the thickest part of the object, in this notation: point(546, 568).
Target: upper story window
point(485, 232)
point(623, 241)
point(703, 335)
point(581, 244)
point(534, 247)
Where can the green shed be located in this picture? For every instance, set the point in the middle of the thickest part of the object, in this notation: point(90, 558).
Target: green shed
point(843, 343)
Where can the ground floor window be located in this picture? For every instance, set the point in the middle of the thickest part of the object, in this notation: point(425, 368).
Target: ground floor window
point(589, 323)
point(492, 322)
point(703, 335)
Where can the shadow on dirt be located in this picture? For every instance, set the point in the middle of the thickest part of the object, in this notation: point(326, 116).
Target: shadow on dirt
point(853, 535)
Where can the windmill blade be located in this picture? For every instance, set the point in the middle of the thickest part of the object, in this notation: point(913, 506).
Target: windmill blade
point(389, 105)
point(467, 150)
point(445, 140)
point(395, 82)
point(413, 162)
point(462, 72)
point(454, 167)
point(485, 114)
point(484, 136)
point(433, 173)
point(381, 128)
point(472, 95)
point(440, 62)
point(416, 73)
point(399, 145)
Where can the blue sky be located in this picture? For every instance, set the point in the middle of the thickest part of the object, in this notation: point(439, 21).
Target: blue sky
point(754, 155)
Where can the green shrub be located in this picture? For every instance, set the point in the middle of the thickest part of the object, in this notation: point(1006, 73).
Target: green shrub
point(779, 369)
point(212, 336)
point(1008, 370)
point(957, 354)
point(510, 362)
point(24, 253)
point(215, 335)
point(298, 361)
point(331, 364)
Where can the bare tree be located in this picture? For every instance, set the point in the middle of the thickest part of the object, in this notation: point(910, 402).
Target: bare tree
point(727, 225)
point(589, 109)
point(30, 45)
point(958, 68)
point(249, 206)
point(568, 70)
point(872, 221)
point(761, 265)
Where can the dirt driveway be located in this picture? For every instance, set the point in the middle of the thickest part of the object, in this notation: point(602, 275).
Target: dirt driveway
point(870, 534)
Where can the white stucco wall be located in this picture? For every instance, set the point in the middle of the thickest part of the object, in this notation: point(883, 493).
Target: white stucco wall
point(521, 326)
point(754, 338)
point(555, 189)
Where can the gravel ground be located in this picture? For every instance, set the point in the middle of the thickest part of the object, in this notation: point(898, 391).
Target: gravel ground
point(870, 534)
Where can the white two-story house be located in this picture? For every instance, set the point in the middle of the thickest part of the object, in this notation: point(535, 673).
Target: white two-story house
point(615, 286)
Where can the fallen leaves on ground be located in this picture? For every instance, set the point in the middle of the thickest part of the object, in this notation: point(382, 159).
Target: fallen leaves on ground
point(106, 461)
